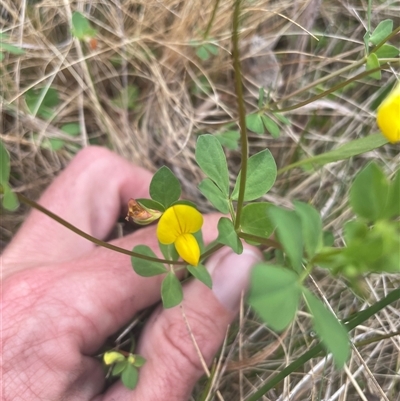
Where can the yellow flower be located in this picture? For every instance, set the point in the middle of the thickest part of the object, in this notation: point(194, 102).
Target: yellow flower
point(388, 116)
point(111, 357)
point(176, 226)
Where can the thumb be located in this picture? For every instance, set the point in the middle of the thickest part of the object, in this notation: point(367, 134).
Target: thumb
point(173, 364)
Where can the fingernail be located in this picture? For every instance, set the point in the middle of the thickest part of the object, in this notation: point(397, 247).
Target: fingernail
point(230, 275)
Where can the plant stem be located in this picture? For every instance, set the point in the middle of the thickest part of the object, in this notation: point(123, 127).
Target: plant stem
point(96, 241)
point(241, 111)
point(260, 240)
point(353, 322)
point(332, 89)
point(209, 25)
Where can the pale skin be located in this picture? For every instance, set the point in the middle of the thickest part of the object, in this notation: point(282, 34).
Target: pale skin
point(62, 296)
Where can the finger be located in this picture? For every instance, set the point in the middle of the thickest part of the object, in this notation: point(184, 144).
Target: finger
point(173, 365)
point(88, 194)
point(96, 295)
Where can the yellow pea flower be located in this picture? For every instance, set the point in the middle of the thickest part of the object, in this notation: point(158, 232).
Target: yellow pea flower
point(388, 116)
point(111, 357)
point(176, 226)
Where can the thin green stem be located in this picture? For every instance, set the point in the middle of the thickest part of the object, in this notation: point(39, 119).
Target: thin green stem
point(96, 241)
point(241, 110)
point(209, 25)
point(353, 322)
point(332, 89)
point(306, 272)
point(382, 42)
point(322, 80)
point(260, 240)
point(213, 249)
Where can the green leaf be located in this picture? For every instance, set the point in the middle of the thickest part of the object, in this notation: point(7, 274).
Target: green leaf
point(169, 251)
point(369, 193)
point(214, 195)
point(345, 151)
point(6, 47)
point(331, 332)
point(42, 101)
point(56, 143)
point(4, 165)
point(255, 219)
point(201, 273)
point(1, 56)
point(81, 28)
point(10, 200)
point(254, 123)
point(211, 48)
point(311, 227)
point(165, 187)
point(202, 53)
point(171, 291)
point(126, 98)
point(199, 238)
point(282, 118)
point(228, 236)
point(72, 129)
point(274, 295)
point(151, 204)
point(139, 361)
point(261, 175)
point(373, 62)
point(119, 367)
point(392, 208)
point(387, 51)
point(383, 30)
point(229, 139)
point(289, 229)
point(143, 267)
point(271, 126)
point(211, 159)
point(130, 376)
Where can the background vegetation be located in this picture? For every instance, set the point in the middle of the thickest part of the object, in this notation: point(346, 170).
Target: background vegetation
point(156, 74)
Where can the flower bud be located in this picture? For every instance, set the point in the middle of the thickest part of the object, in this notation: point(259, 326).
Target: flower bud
point(140, 214)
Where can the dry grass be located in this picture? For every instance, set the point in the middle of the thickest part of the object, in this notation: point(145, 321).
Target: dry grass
point(148, 44)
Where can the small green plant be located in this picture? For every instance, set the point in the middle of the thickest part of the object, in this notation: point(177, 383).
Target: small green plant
point(283, 284)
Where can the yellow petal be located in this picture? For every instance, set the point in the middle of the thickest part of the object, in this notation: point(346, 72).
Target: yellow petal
point(188, 249)
point(388, 116)
point(178, 220)
point(111, 357)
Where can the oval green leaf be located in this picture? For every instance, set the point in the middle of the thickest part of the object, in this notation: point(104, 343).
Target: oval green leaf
point(369, 193)
point(255, 220)
point(228, 236)
point(201, 273)
point(211, 159)
point(288, 227)
point(261, 176)
point(165, 187)
point(254, 123)
point(311, 226)
point(331, 332)
point(143, 267)
point(274, 295)
point(130, 376)
point(171, 291)
point(214, 195)
point(271, 126)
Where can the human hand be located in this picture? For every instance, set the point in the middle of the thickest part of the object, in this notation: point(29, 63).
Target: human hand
point(62, 296)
